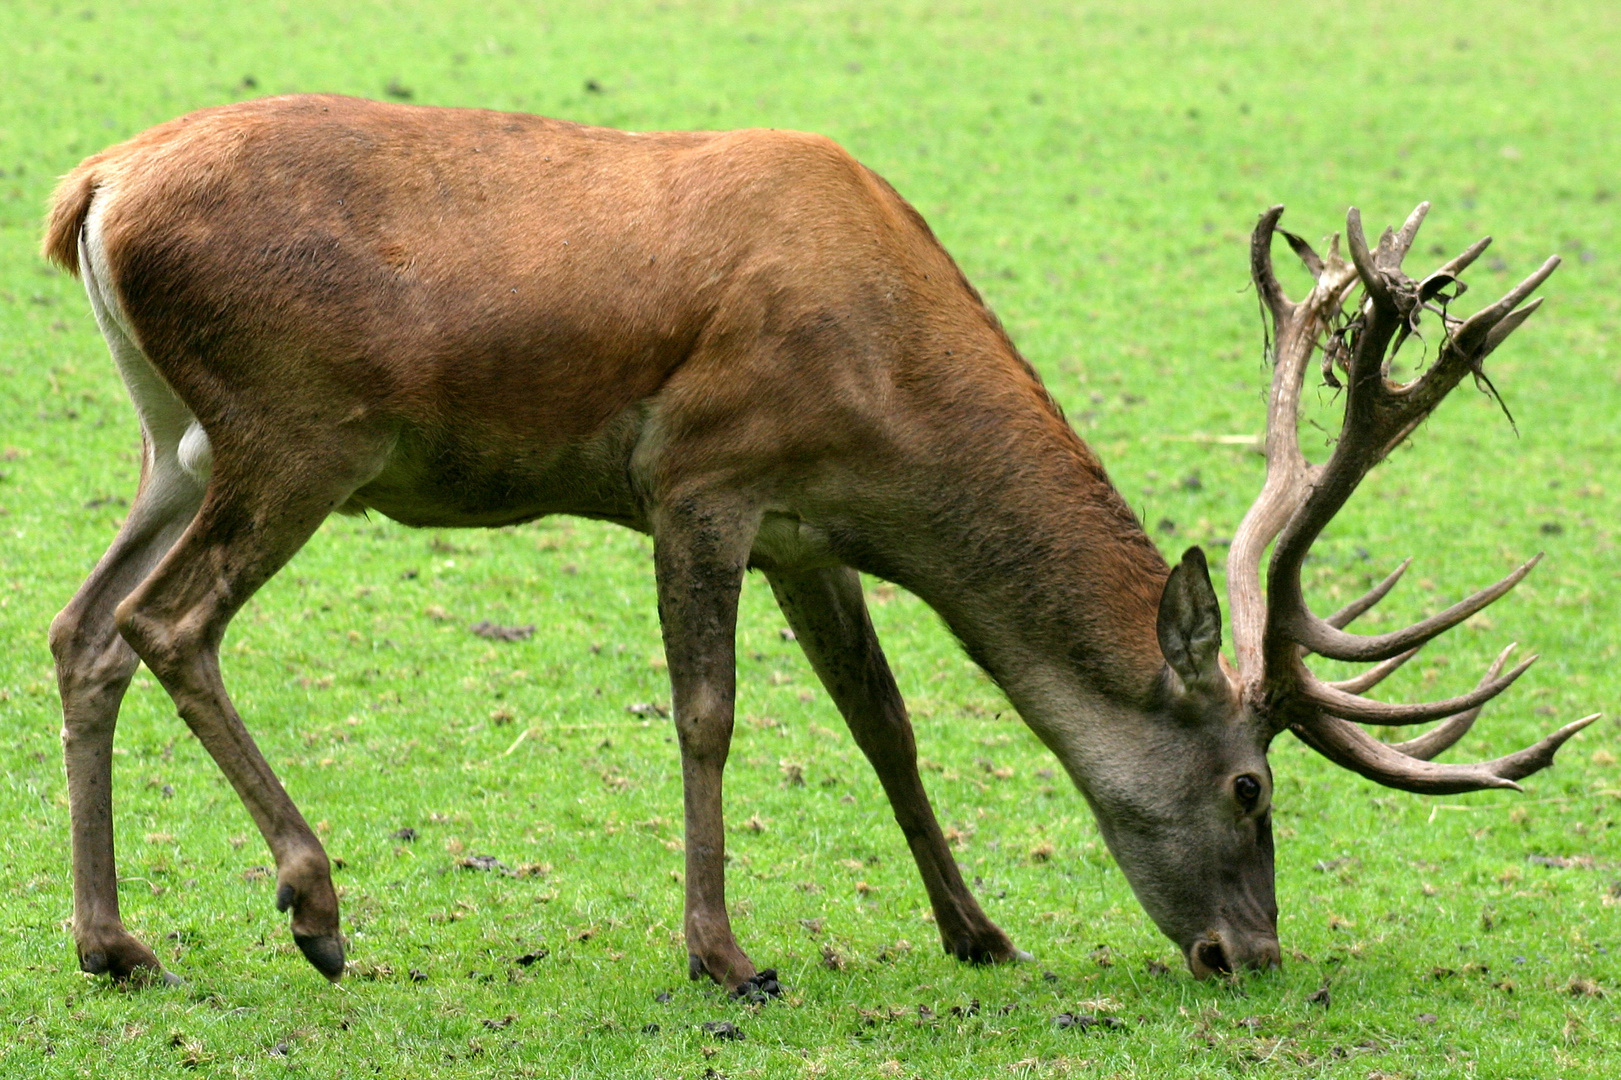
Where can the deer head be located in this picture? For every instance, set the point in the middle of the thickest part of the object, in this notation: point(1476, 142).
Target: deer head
point(1213, 892)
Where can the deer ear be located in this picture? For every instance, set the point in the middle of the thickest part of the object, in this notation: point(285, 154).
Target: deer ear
point(1189, 623)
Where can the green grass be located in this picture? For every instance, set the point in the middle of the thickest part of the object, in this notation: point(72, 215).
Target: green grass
point(1095, 168)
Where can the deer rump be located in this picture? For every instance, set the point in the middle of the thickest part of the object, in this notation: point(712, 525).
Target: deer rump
point(750, 347)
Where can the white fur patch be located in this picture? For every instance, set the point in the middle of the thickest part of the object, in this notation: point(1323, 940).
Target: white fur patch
point(179, 455)
point(196, 454)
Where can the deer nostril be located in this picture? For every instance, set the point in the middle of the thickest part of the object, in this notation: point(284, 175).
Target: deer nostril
point(1212, 957)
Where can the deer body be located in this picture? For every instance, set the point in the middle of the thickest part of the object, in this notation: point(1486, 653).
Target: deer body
point(494, 291)
point(743, 344)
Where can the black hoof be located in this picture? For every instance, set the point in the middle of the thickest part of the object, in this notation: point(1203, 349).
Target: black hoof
point(325, 951)
point(695, 967)
point(762, 987)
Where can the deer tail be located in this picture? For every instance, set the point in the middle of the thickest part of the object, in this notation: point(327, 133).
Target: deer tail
point(70, 205)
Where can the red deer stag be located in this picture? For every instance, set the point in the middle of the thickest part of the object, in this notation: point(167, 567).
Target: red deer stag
point(751, 348)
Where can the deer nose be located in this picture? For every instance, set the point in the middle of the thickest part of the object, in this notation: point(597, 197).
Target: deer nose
point(1221, 952)
point(1207, 957)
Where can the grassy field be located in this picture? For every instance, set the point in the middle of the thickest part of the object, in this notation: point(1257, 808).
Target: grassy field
point(1095, 168)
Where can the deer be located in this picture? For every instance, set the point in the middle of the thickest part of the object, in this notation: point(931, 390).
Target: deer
point(749, 347)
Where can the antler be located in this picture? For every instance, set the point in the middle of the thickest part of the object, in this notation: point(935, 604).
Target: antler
point(1273, 631)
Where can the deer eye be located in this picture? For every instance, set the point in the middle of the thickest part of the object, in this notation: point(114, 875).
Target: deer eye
point(1248, 790)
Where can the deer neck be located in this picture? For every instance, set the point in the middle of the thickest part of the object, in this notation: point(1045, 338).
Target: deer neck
point(1040, 569)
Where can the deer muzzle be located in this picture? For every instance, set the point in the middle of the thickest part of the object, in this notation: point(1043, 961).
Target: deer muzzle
point(1225, 950)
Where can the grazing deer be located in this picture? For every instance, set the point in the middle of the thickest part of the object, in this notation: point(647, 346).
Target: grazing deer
point(749, 347)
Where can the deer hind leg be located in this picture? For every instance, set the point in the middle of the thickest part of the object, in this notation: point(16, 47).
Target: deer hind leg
point(700, 552)
point(259, 510)
point(93, 669)
point(94, 664)
point(828, 615)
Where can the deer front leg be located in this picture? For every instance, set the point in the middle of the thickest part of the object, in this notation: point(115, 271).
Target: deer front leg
point(700, 552)
point(828, 615)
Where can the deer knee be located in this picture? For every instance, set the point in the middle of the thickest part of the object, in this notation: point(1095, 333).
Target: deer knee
point(64, 630)
point(69, 636)
point(707, 740)
point(87, 662)
point(703, 721)
point(162, 644)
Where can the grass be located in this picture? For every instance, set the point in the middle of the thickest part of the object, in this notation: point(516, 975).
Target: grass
point(1095, 168)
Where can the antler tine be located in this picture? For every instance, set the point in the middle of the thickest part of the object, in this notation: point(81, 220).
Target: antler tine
point(1510, 323)
point(1352, 707)
point(1402, 242)
point(1468, 255)
point(1473, 332)
point(1306, 253)
point(1349, 746)
point(1453, 728)
point(1266, 281)
point(1347, 614)
point(1376, 674)
point(1318, 636)
point(1362, 258)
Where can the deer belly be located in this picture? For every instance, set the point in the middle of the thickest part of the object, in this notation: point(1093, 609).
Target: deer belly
point(464, 480)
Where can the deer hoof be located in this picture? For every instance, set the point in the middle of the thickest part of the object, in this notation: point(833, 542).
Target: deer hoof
point(760, 987)
point(124, 958)
point(325, 951)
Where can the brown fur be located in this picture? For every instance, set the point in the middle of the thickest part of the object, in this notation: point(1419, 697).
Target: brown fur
point(70, 205)
point(876, 342)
